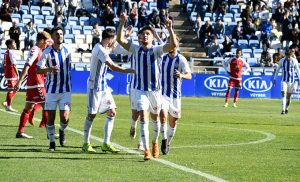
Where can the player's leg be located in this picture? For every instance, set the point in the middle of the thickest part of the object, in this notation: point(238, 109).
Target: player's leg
point(227, 96)
point(236, 96)
point(164, 130)
point(65, 108)
point(284, 88)
point(23, 120)
point(9, 97)
point(44, 116)
point(134, 113)
point(171, 129)
point(292, 87)
point(87, 129)
point(51, 128)
point(32, 113)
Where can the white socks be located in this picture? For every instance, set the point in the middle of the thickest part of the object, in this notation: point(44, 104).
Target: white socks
point(108, 127)
point(171, 133)
point(51, 132)
point(87, 129)
point(144, 134)
point(283, 103)
point(133, 123)
point(163, 130)
point(63, 126)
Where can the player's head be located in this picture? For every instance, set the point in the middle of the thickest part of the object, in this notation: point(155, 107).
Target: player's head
point(146, 35)
point(42, 39)
point(108, 36)
point(288, 54)
point(10, 44)
point(176, 44)
point(57, 35)
point(238, 53)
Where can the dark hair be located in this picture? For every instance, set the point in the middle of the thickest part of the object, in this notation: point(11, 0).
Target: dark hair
point(42, 36)
point(55, 29)
point(9, 42)
point(238, 50)
point(47, 29)
point(108, 33)
point(145, 28)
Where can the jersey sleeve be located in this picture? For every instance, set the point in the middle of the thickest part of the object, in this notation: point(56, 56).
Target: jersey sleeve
point(185, 68)
point(159, 50)
point(102, 55)
point(133, 48)
point(43, 60)
point(32, 55)
point(12, 57)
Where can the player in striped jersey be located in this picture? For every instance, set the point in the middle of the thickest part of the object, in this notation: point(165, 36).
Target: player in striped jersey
point(174, 68)
point(11, 74)
point(35, 93)
point(147, 83)
point(290, 67)
point(56, 63)
point(100, 98)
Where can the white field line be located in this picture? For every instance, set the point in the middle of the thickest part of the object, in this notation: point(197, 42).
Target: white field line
point(165, 162)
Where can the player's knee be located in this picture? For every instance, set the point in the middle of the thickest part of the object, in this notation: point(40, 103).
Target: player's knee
point(90, 117)
point(111, 113)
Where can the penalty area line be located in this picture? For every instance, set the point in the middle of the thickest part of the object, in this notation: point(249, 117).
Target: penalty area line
point(162, 161)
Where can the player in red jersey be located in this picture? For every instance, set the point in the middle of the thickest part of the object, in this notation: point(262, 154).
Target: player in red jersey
point(10, 73)
point(234, 68)
point(35, 93)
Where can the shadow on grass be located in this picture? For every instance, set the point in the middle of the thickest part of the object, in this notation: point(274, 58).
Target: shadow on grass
point(291, 149)
point(67, 158)
point(260, 124)
point(7, 125)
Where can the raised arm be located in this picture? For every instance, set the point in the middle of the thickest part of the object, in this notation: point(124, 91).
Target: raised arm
point(117, 68)
point(120, 34)
point(173, 43)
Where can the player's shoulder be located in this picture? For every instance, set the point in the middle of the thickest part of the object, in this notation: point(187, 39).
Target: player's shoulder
point(47, 50)
point(181, 57)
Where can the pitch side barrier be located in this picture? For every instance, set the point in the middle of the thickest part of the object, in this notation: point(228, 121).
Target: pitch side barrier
point(201, 85)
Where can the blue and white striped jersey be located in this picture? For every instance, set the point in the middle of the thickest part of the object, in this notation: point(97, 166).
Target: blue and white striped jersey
point(59, 82)
point(97, 78)
point(147, 67)
point(289, 69)
point(171, 86)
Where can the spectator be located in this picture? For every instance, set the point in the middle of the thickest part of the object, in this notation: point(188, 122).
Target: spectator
point(201, 8)
point(295, 47)
point(205, 32)
point(256, 12)
point(277, 56)
point(87, 8)
point(162, 4)
point(142, 14)
point(279, 14)
point(59, 20)
point(213, 48)
point(133, 15)
point(14, 33)
point(266, 29)
point(246, 14)
point(153, 19)
point(274, 35)
point(96, 34)
point(266, 59)
point(1, 33)
point(287, 28)
point(227, 45)
point(30, 35)
point(124, 6)
point(107, 18)
point(197, 25)
point(237, 32)
point(42, 3)
point(5, 12)
point(73, 4)
point(220, 8)
point(248, 29)
point(219, 29)
point(59, 5)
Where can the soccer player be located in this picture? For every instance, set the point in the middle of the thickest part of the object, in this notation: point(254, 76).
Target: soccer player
point(56, 63)
point(35, 93)
point(234, 67)
point(11, 74)
point(174, 68)
point(147, 84)
point(100, 98)
point(289, 66)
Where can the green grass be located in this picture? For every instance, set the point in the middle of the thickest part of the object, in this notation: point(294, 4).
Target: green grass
point(203, 142)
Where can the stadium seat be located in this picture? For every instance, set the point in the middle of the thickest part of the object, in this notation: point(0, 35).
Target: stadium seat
point(72, 47)
point(77, 29)
point(79, 39)
point(222, 71)
point(252, 61)
point(88, 67)
point(35, 10)
point(258, 34)
point(254, 44)
point(27, 18)
point(257, 71)
point(193, 16)
point(49, 19)
point(39, 19)
point(84, 21)
point(86, 57)
point(46, 10)
point(275, 44)
point(87, 30)
point(116, 20)
point(40, 27)
point(189, 7)
point(16, 18)
point(76, 57)
point(258, 51)
point(72, 20)
point(18, 55)
point(218, 61)
point(69, 38)
point(247, 55)
point(234, 9)
point(88, 38)
point(25, 55)
point(243, 43)
point(80, 66)
point(67, 30)
point(269, 71)
point(85, 47)
point(25, 9)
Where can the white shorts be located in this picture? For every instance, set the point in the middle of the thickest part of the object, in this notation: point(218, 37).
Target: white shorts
point(288, 87)
point(133, 100)
point(149, 101)
point(173, 106)
point(100, 101)
point(63, 100)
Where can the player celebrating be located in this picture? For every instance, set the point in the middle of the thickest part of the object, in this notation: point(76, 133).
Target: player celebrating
point(35, 93)
point(174, 68)
point(56, 61)
point(100, 98)
point(11, 74)
point(147, 86)
point(234, 67)
point(289, 66)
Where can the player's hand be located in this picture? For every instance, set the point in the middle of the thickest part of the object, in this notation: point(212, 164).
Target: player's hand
point(123, 18)
point(131, 71)
point(177, 74)
point(274, 83)
point(17, 86)
point(54, 69)
point(129, 31)
point(169, 23)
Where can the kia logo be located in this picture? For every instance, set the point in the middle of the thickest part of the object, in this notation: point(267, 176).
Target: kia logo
point(216, 83)
point(257, 84)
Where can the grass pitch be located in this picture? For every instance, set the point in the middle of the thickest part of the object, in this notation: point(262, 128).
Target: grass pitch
point(250, 143)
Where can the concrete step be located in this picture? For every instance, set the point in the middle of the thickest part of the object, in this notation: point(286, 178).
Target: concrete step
point(194, 54)
point(187, 40)
point(194, 45)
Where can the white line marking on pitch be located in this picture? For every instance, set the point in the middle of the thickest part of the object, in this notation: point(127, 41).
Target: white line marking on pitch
point(165, 162)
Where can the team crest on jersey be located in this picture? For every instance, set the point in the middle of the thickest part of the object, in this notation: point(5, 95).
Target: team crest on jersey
point(108, 102)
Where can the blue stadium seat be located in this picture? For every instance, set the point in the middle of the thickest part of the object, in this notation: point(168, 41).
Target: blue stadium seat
point(243, 43)
point(69, 38)
point(269, 71)
point(67, 30)
point(16, 18)
point(254, 44)
point(35, 10)
point(84, 21)
point(27, 18)
point(72, 20)
point(46, 10)
point(77, 29)
point(80, 66)
point(49, 19)
point(87, 30)
point(234, 9)
point(252, 61)
point(257, 71)
point(25, 9)
point(39, 19)
point(40, 27)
